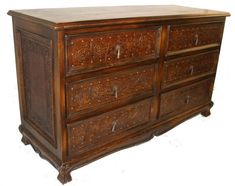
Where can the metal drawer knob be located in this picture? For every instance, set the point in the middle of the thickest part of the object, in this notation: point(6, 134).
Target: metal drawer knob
point(118, 51)
point(114, 123)
point(187, 100)
point(191, 68)
point(115, 91)
point(196, 39)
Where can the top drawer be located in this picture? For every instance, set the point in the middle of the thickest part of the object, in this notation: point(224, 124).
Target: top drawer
point(183, 37)
point(93, 51)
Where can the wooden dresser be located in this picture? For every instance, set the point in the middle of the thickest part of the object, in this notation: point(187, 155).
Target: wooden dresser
point(96, 80)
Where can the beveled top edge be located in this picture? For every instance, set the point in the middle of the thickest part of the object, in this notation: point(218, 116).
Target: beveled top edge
point(62, 18)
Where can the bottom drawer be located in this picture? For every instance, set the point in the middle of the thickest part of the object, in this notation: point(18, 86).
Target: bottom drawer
point(97, 130)
point(185, 98)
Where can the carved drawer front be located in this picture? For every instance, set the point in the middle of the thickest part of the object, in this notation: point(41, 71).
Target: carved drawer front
point(187, 36)
point(180, 69)
point(97, 130)
point(185, 98)
point(87, 52)
point(99, 91)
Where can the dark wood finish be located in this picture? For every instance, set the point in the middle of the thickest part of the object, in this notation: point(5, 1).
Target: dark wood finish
point(96, 80)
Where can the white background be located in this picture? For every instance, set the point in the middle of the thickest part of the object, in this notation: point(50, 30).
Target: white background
point(198, 152)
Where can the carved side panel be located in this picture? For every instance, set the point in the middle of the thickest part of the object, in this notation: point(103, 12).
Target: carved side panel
point(180, 69)
point(96, 130)
point(102, 90)
point(186, 98)
point(100, 50)
point(187, 36)
point(37, 63)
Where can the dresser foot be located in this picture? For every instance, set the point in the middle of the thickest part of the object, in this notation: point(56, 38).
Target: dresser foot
point(25, 140)
point(64, 174)
point(206, 113)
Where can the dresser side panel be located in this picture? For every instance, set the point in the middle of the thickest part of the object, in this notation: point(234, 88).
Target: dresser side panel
point(38, 83)
point(35, 50)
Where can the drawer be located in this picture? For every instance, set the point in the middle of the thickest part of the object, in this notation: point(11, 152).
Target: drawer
point(194, 35)
point(93, 93)
point(99, 130)
point(186, 98)
point(188, 68)
point(93, 51)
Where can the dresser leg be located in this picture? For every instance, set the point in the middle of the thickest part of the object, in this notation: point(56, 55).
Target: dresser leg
point(25, 140)
point(64, 174)
point(206, 113)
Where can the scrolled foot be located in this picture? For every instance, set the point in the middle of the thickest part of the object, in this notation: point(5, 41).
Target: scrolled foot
point(206, 113)
point(64, 174)
point(25, 140)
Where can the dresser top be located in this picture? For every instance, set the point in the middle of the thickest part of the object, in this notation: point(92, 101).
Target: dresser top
point(58, 18)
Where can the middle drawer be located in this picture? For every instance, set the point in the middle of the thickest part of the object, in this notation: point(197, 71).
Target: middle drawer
point(90, 94)
point(187, 68)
